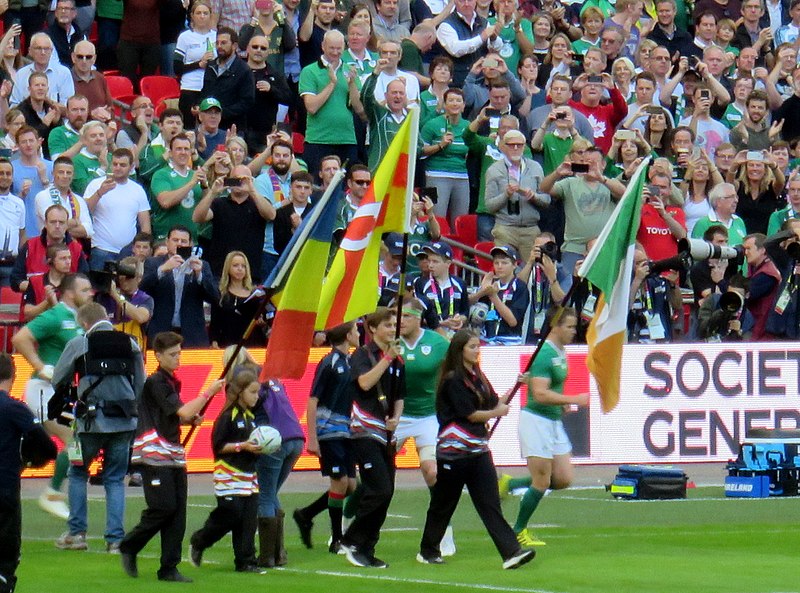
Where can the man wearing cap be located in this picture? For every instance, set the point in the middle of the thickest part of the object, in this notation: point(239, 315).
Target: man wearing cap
point(513, 196)
point(506, 298)
point(229, 80)
point(389, 270)
point(443, 295)
point(211, 135)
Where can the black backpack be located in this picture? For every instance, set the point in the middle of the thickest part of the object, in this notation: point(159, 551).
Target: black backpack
point(109, 353)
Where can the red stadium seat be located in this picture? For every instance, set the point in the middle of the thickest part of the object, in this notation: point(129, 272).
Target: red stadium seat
point(467, 229)
point(483, 263)
point(119, 86)
point(444, 226)
point(298, 143)
point(160, 87)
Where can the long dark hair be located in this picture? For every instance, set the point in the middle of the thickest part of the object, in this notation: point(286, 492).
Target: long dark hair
point(236, 386)
point(453, 365)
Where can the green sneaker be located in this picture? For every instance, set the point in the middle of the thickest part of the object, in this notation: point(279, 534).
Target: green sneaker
point(527, 539)
point(503, 483)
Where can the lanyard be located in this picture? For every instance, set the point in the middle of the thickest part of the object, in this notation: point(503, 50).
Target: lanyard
point(509, 289)
point(440, 296)
point(541, 296)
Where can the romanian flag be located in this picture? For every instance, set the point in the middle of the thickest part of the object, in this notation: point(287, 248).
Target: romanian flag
point(297, 278)
point(609, 266)
point(351, 288)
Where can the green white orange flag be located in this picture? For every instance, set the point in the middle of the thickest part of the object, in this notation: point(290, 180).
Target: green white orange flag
point(609, 266)
point(351, 288)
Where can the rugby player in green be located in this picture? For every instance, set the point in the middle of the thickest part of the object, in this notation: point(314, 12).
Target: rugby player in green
point(41, 343)
point(423, 351)
point(542, 438)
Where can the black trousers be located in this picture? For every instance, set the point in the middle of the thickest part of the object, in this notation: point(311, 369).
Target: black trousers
point(478, 474)
point(11, 540)
point(237, 515)
point(165, 491)
point(376, 469)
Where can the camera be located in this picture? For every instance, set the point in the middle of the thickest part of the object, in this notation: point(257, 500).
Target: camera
point(700, 250)
point(730, 306)
point(551, 250)
point(679, 263)
point(561, 115)
point(101, 280)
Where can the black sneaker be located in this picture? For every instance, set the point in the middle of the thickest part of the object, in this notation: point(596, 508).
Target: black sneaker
point(356, 558)
point(304, 526)
point(195, 555)
point(251, 568)
point(518, 559)
point(173, 576)
point(429, 559)
point(377, 563)
point(129, 564)
point(335, 547)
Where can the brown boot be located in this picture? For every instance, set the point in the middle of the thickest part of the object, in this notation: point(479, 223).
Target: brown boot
point(280, 551)
point(267, 537)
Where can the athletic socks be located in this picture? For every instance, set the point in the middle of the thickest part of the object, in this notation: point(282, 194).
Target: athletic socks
point(60, 471)
point(526, 508)
point(335, 505)
point(351, 502)
point(316, 507)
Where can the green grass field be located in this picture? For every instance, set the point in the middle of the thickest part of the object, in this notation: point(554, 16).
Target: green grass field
point(705, 544)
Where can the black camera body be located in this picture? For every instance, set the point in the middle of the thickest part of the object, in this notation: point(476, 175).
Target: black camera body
point(551, 250)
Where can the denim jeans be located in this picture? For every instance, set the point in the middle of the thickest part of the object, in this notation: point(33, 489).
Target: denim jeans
point(115, 446)
point(99, 257)
point(272, 473)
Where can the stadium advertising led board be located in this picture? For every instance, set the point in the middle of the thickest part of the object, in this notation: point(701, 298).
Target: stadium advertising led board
point(679, 403)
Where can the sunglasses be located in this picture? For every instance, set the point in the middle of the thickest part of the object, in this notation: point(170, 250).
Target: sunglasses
point(361, 181)
point(261, 47)
point(83, 57)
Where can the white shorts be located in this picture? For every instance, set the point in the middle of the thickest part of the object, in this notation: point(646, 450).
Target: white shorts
point(542, 437)
point(425, 430)
point(37, 393)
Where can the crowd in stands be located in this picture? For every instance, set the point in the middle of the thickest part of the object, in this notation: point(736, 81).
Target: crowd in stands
point(534, 115)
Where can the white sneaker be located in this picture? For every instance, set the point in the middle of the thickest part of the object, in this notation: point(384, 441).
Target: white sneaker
point(448, 545)
point(52, 501)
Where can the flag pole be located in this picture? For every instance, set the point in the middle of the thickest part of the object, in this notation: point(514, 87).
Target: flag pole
point(561, 306)
point(262, 306)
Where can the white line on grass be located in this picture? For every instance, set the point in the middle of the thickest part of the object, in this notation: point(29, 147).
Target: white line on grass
point(399, 516)
point(473, 586)
point(680, 500)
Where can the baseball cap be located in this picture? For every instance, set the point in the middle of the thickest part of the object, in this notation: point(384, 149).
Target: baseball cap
point(507, 251)
point(438, 248)
point(210, 103)
point(394, 241)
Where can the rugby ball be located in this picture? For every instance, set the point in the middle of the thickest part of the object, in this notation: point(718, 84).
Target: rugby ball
point(266, 438)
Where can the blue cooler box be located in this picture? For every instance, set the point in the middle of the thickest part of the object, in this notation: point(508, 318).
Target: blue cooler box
point(747, 486)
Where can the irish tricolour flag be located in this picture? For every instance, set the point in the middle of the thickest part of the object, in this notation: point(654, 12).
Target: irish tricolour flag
point(609, 266)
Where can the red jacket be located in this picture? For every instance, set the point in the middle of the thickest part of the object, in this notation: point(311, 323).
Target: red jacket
point(604, 118)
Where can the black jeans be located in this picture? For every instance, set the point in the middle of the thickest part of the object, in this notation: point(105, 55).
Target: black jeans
point(165, 491)
point(376, 469)
point(11, 540)
point(137, 60)
point(237, 515)
point(478, 474)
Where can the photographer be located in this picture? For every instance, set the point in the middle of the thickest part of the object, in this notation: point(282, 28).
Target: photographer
point(723, 318)
point(503, 298)
point(513, 196)
point(653, 298)
point(129, 308)
point(179, 282)
point(783, 320)
point(547, 281)
point(764, 282)
point(711, 276)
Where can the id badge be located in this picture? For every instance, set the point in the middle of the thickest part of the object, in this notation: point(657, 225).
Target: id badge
point(655, 326)
point(783, 301)
point(538, 321)
point(588, 307)
point(74, 453)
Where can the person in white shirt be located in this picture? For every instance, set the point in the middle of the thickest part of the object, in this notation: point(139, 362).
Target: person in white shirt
point(79, 224)
point(390, 54)
point(12, 222)
point(117, 205)
point(61, 86)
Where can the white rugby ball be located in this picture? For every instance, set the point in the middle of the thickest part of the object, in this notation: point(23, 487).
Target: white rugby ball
point(266, 438)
